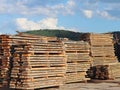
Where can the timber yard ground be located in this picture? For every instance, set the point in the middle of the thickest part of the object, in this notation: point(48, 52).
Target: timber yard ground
point(107, 85)
point(91, 85)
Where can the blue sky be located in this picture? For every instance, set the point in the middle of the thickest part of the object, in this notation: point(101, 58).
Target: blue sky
point(76, 15)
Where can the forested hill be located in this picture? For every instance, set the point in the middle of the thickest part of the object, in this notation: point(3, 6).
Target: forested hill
point(64, 33)
point(57, 33)
point(116, 34)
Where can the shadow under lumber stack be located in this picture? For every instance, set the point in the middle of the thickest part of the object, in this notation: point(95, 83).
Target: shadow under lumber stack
point(78, 60)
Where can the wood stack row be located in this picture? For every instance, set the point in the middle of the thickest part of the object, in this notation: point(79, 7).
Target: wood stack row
point(78, 60)
point(102, 48)
point(104, 72)
point(43, 66)
point(4, 59)
point(34, 62)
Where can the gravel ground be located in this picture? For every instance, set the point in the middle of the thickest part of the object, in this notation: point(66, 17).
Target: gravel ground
point(86, 86)
point(89, 86)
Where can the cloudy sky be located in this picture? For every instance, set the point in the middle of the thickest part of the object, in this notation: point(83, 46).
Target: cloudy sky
point(76, 15)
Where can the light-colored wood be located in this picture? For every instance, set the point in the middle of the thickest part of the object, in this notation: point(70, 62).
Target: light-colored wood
point(101, 48)
point(78, 60)
point(36, 62)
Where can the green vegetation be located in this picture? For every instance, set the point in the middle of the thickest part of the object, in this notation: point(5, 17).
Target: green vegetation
point(64, 33)
point(58, 33)
point(116, 34)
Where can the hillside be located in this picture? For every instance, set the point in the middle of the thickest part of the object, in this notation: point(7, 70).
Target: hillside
point(64, 33)
point(58, 33)
point(116, 34)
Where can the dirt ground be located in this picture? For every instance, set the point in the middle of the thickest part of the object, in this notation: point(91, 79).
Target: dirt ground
point(91, 85)
point(113, 85)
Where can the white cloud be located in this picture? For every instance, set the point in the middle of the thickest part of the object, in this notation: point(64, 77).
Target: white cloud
point(88, 13)
point(105, 14)
point(47, 23)
point(71, 3)
point(70, 6)
point(53, 8)
point(28, 8)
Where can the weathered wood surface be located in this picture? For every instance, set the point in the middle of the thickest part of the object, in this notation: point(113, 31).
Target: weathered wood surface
point(104, 60)
point(75, 77)
point(4, 59)
point(114, 70)
point(78, 60)
point(33, 62)
point(101, 48)
point(42, 63)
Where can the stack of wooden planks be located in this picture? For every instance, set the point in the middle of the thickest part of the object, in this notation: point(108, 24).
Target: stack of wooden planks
point(20, 68)
point(4, 59)
point(35, 62)
point(114, 70)
point(29, 62)
point(78, 60)
point(104, 72)
point(102, 48)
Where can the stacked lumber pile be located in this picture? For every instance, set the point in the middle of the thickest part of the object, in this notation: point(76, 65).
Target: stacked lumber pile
point(104, 72)
point(20, 69)
point(102, 48)
point(105, 64)
point(4, 59)
point(114, 70)
point(36, 62)
point(78, 60)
